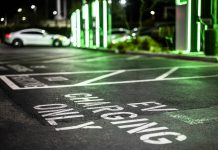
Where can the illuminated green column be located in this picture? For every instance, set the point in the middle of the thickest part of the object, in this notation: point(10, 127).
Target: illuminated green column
point(78, 28)
point(109, 23)
point(85, 25)
point(82, 28)
point(215, 8)
point(103, 6)
point(96, 24)
point(73, 29)
point(105, 23)
point(90, 27)
point(199, 26)
point(192, 27)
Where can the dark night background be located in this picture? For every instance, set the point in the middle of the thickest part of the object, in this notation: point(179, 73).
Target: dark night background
point(46, 7)
point(43, 16)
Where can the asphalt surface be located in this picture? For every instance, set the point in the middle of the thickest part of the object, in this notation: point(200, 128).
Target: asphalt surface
point(72, 99)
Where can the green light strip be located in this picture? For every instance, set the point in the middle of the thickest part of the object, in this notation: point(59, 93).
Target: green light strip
point(189, 27)
point(181, 2)
point(95, 14)
point(199, 27)
point(215, 14)
point(86, 18)
point(97, 24)
point(105, 30)
point(73, 28)
point(78, 41)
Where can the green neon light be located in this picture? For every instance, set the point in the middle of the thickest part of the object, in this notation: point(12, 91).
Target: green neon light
point(78, 32)
point(97, 22)
point(86, 18)
point(181, 2)
point(105, 30)
point(206, 27)
point(199, 27)
point(215, 13)
point(71, 26)
point(73, 29)
point(189, 27)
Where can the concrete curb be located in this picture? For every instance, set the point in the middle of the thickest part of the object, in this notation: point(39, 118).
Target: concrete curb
point(213, 59)
point(178, 56)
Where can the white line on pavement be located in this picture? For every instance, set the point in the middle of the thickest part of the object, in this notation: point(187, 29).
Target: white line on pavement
point(117, 82)
point(9, 83)
point(98, 58)
point(99, 78)
point(133, 57)
point(103, 71)
point(72, 58)
point(80, 59)
point(167, 73)
point(60, 73)
point(151, 80)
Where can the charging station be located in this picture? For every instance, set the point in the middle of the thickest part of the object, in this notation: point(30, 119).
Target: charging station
point(196, 26)
point(91, 25)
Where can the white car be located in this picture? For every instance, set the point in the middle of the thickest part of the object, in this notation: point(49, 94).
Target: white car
point(34, 36)
point(120, 35)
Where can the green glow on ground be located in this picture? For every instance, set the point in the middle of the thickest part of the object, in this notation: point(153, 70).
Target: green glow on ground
point(196, 116)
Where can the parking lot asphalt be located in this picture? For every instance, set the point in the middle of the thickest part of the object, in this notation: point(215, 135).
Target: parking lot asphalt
point(65, 98)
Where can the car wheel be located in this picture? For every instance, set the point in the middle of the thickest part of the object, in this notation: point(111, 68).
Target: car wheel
point(57, 43)
point(17, 43)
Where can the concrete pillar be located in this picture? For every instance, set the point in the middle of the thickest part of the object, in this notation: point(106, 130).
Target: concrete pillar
point(58, 7)
point(64, 9)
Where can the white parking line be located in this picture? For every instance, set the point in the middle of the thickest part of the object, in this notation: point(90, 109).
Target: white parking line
point(133, 57)
point(167, 73)
point(98, 58)
point(89, 82)
point(71, 58)
point(9, 83)
point(151, 80)
point(79, 59)
point(104, 71)
point(99, 78)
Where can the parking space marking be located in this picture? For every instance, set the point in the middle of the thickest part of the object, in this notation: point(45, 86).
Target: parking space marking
point(91, 82)
point(167, 73)
point(79, 59)
point(152, 80)
point(9, 82)
point(133, 57)
point(63, 73)
point(99, 78)
point(64, 59)
point(104, 71)
point(98, 58)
